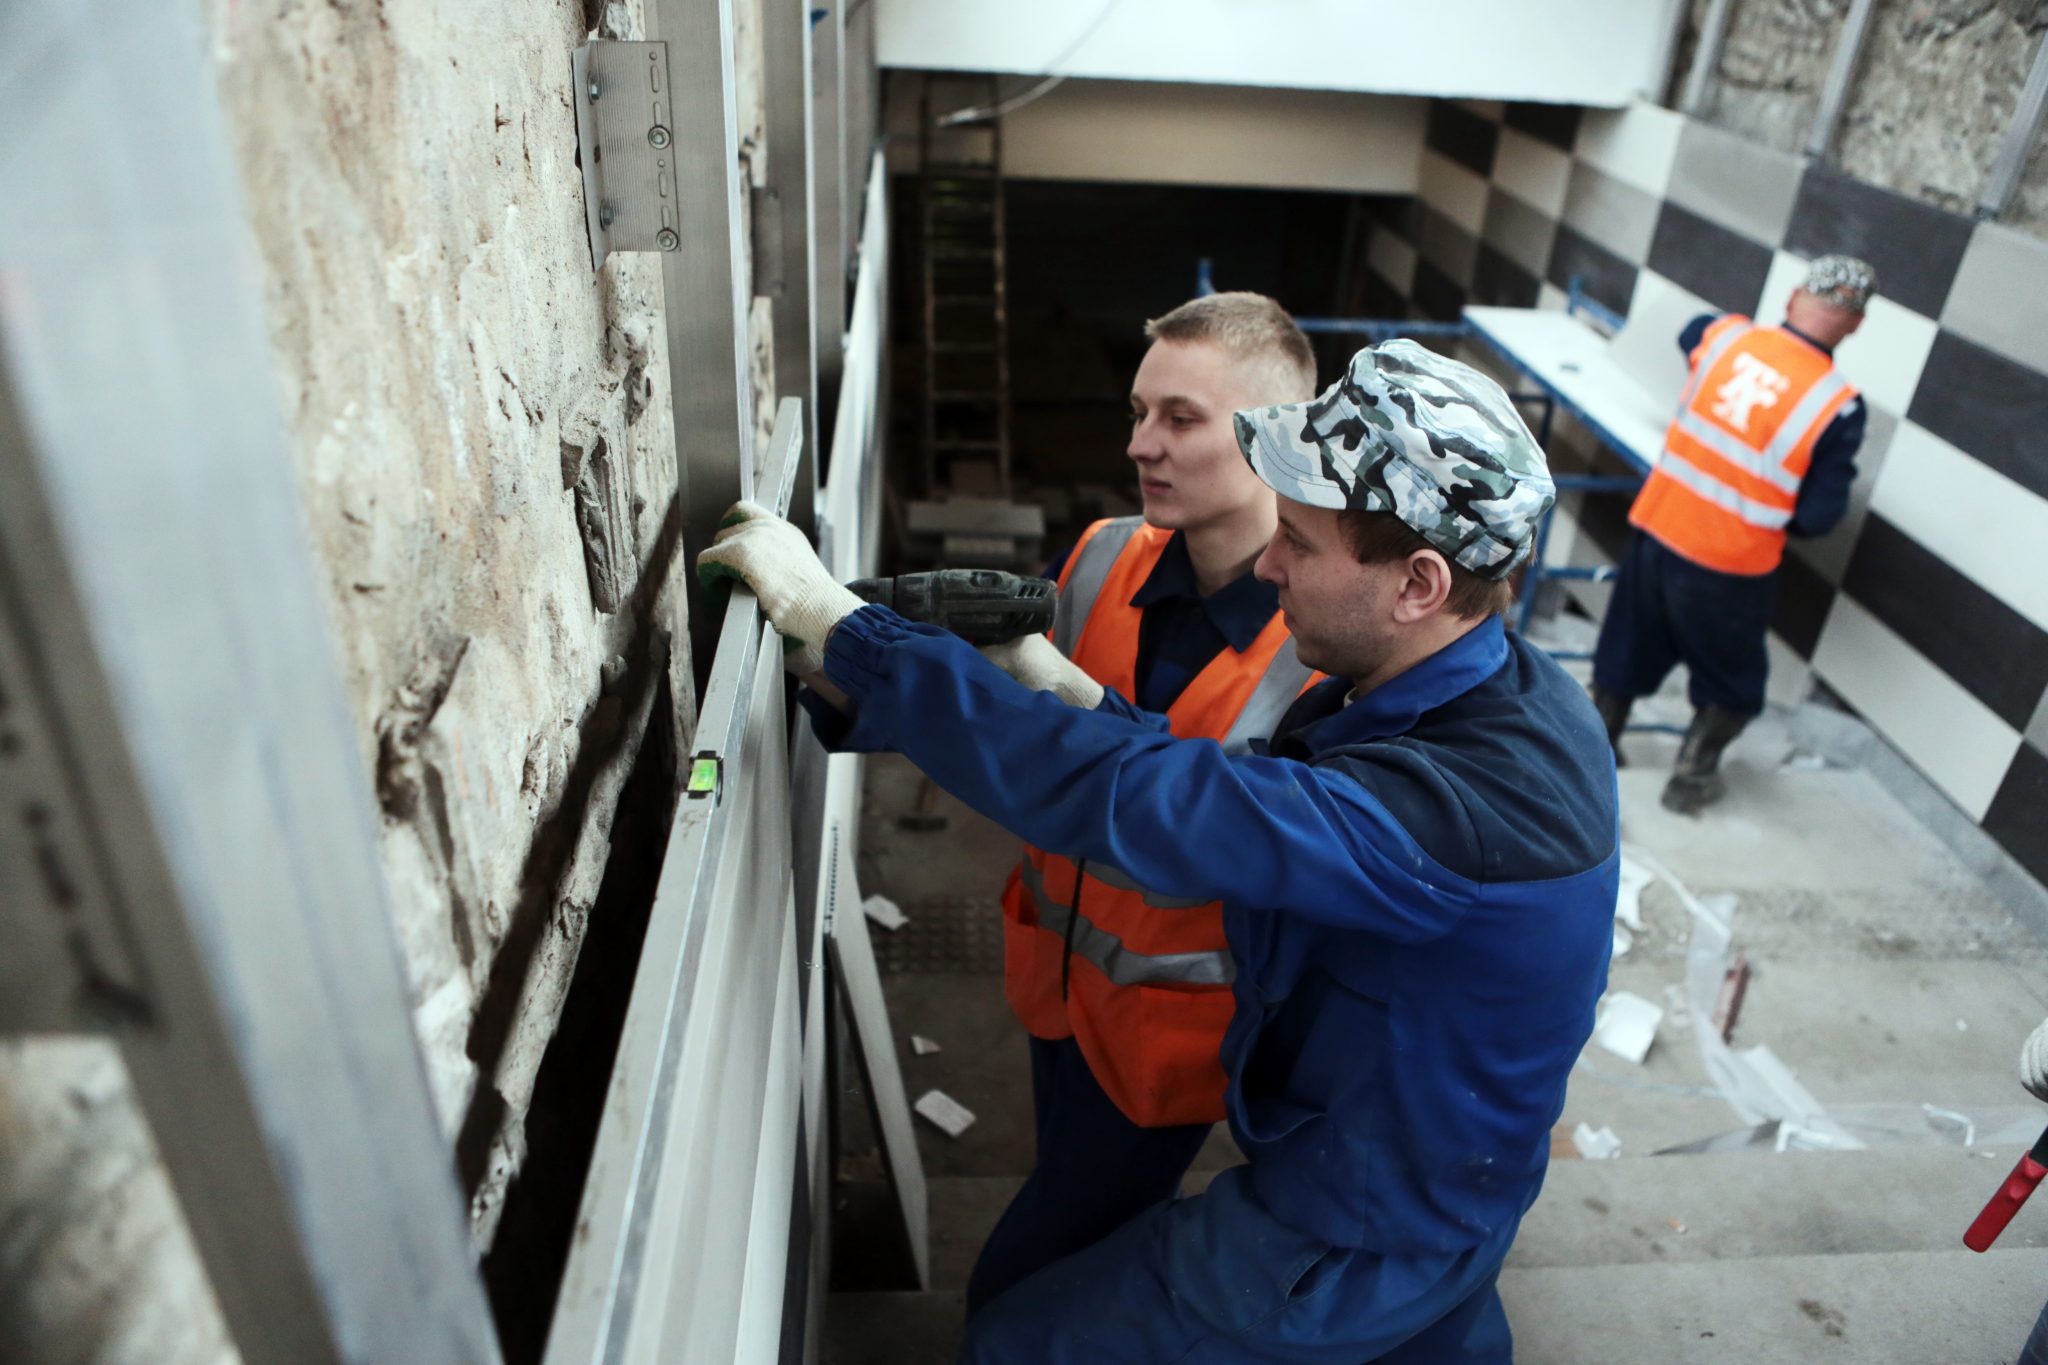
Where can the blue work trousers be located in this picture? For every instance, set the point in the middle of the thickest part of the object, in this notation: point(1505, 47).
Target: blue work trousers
point(1095, 1171)
point(1216, 1278)
point(1668, 610)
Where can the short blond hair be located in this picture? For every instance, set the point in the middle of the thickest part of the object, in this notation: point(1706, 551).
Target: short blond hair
point(1253, 330)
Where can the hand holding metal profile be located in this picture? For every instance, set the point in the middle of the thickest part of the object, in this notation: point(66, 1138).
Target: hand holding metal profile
point(775, 560)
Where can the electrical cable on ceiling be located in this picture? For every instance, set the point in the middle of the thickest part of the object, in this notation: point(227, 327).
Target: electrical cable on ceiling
point(1052, 78)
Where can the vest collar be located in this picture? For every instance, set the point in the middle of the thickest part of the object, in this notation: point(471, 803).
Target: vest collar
point(1789, 329)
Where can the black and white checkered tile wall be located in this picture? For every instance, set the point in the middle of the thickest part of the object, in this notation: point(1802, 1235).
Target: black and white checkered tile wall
point(1928, 610)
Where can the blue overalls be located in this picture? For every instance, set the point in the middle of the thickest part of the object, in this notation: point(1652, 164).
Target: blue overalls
point(1419, 891)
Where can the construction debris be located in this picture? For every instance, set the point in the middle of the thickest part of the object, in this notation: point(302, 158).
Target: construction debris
point(1728, 1006)
point(922, 1046)
point(946, 1113)
point(884, 912)
point(1596, 1144)
point(1627, 1025)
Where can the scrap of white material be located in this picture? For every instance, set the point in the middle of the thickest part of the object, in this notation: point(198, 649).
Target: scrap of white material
point(884, 912)
point(948, 1114)
point(1627, 1025)
point(1628, 902)
point(922, 1046)
point(1596, 1144)
point(1949, 1119)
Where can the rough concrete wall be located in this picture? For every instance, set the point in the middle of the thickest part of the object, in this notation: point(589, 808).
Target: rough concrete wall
point(487, 464)
point(96, 1263)
point(1928, 106)
point(1935, 94)
point(485, 446)
point(1772, 66)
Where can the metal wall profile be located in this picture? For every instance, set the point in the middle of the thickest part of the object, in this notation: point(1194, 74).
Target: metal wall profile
point(706, 290)
point(786, 271)
point(674, 1234)
point(701, 1235)
point(1699, 77)
point(831, 187)
point(188, 710)
point(2022, 138)
point(1834, 91)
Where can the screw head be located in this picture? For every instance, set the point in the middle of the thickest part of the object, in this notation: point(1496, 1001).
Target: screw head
point(593, 92)
point(657, 136)
point(667, 240)
point(604, 216)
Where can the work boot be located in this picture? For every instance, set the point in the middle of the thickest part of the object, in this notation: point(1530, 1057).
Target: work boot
point(1614, 715)
point(1696, 776)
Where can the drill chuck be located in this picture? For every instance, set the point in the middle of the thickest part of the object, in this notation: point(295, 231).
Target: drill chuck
point(981, 606)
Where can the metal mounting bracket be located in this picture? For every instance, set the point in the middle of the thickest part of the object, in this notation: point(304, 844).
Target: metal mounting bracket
point(626, 136)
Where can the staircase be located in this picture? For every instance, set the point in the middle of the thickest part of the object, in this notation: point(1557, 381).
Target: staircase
point(1886, 975)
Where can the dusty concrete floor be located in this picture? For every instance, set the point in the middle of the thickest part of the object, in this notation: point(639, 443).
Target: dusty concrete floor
point(1884, 975)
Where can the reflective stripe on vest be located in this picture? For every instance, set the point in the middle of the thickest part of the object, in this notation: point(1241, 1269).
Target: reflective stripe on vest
point(1285, 678)
point(1697, 480)
point(1092, 562)
point(1111, 875)
point(1109, 955)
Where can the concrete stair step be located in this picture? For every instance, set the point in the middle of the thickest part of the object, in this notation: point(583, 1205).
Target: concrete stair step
point(1925, 1306)
point(1732, 1205)
point(1739, 1205)
point(891, 1329)
point(1919, 1306)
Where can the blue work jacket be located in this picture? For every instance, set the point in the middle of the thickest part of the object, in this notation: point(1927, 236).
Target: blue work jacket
point(1418, 893)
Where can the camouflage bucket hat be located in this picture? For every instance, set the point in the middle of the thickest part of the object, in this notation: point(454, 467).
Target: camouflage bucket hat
point(1410, 432)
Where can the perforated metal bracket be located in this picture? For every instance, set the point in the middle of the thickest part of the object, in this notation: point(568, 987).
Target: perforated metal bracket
point(625, 132)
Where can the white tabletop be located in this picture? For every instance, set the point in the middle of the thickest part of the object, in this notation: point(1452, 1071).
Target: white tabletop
point(1575, 362)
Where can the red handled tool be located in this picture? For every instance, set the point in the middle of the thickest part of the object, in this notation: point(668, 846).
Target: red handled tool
point(2010, 1196)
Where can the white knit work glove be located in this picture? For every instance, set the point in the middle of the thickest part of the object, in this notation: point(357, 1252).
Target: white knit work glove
point(1037, 663)
point(798, 595)
point(2034, 1062)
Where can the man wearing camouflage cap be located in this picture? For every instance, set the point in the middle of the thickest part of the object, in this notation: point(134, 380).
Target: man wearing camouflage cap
point(1764, 446)
point(1418, 875)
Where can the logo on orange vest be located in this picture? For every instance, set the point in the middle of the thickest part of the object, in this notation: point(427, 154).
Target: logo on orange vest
point(1754, 385)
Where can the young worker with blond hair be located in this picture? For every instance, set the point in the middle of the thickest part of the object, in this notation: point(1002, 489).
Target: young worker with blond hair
point(1126, 993)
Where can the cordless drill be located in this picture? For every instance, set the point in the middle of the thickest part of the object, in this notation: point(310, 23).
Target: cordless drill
point(981, 606)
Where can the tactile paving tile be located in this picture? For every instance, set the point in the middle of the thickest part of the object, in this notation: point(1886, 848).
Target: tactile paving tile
point(948, 934)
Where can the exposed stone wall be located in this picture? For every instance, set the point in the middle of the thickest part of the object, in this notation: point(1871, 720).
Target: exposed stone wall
point(484, 442)
point(1927, 108)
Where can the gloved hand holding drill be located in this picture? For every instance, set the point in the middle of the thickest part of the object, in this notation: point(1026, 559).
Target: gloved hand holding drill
point(804, 602)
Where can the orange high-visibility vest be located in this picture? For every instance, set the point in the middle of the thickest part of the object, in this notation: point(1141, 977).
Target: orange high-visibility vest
point(1726, 485)
point(1145, 990)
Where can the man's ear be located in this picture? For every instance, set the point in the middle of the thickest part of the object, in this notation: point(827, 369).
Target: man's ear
point(1424, 589)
